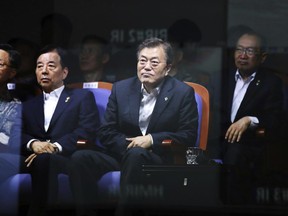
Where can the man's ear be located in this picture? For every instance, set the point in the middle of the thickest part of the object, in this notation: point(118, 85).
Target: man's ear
point(65, 73)
point(263, 57)
point(168, 68)
point(12, 73)
point(106, 58)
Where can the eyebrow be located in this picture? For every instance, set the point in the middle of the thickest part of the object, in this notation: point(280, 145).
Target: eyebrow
point(49, 62)
point(253, 47)
point(152, 58)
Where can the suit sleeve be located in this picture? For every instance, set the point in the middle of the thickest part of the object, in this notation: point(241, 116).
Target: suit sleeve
point(79, 119)
point(110, 134)
point(86, 128)
point(185, 131)
point(271, 114)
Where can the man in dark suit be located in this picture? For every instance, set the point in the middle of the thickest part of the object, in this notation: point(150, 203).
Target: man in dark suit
point(142, 112)
point(254, 102)
point(52, 123)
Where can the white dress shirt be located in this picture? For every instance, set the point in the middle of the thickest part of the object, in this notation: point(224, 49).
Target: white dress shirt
point(239, 93)
point(50, 103)
point(146, 108)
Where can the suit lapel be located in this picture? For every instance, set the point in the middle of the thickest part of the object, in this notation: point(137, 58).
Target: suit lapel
point(39, 111)
point(64, 100)
point(134, 102)
point(163, 100)
point(252, 89)
point(231, 95)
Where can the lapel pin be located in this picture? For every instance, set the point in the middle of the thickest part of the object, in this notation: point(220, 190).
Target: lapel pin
point(67, 99)
point(258, 82)
point(166, 98)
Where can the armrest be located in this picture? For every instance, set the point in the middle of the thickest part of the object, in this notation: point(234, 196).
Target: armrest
point(84, 144)
point(260, 132)
point(178, 150)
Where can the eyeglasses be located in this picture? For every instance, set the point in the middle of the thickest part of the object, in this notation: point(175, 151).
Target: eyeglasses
point(153, 63)
point(248, 51)
point(90, 51)
point(2, 65)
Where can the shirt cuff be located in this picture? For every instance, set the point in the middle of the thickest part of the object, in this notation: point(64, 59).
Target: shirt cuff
point(58, 146)
point(55, 143)
point(151, 138)
point(28, 146)
point(254, 121)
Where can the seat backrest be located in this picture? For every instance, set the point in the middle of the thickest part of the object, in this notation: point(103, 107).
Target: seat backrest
point(101, 91)
point(204, 111)
point(101, 96)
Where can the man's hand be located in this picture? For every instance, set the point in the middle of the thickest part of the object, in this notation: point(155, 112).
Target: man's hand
point(235, 131)
point(40, 147)
point(140, 141)
point(30, 159)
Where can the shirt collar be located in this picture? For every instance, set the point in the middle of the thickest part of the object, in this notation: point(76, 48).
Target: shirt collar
point(154, 91)
point(238, 76)
point(56, 93)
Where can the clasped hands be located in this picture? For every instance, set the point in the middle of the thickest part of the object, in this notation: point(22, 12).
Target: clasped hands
point(235, 131)
point(140, 141)
point(40, 147)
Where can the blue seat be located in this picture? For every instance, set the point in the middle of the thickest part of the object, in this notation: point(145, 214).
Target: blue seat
point(21, 183)
point(109, 184)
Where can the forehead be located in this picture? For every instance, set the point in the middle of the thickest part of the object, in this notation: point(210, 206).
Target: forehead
point(248, 41)
point(4, 56)
point(91, 42)
point(153, 52)
point(91, 45)
point(49, 57)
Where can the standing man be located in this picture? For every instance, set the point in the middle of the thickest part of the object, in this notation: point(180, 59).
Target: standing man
point(52, 123)
point(142, 112)
point(255, 101)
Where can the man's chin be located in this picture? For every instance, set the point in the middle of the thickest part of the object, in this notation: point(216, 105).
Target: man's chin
point(44, 85)
point(145, 80)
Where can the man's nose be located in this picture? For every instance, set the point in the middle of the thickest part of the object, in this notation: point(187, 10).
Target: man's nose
point(148, 65)
point(44, 69)
point(244, 54)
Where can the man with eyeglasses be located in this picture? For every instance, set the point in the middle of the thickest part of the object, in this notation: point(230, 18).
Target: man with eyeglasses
point(93, 59)
point(47, 132)
point(253, 101)
point(142, 111)
point(9, 105)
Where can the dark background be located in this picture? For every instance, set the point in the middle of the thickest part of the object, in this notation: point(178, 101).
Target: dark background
point(124, 23)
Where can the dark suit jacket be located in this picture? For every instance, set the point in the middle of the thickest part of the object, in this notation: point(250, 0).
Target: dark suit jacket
point(75, 117)
point(174, 117)
point(263, 99)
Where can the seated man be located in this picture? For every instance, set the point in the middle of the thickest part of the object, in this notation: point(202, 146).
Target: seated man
point(142, 112)
point(52, 123)
point(10, 107)
point(252, 100)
